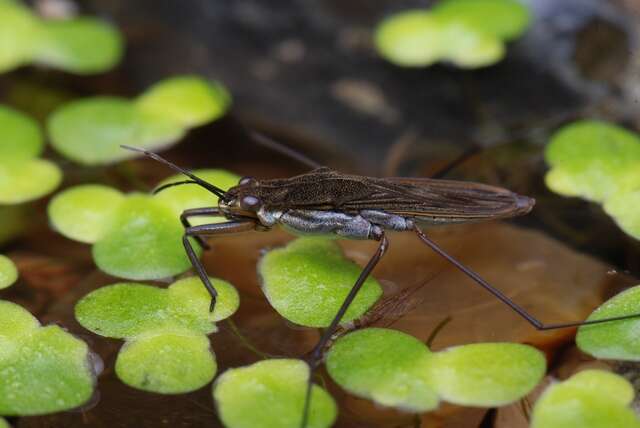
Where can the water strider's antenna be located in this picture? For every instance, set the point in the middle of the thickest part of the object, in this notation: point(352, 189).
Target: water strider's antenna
point(210, 187)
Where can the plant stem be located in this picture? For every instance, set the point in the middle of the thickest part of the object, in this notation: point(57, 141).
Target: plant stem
point(243, 340)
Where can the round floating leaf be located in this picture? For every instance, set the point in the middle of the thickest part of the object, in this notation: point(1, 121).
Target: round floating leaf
point(589, 399)
point(82, 213)
point(19, 35)
point(188, 298)
point(143, 240)
point(15, 321)
point(308, 280)
point(613, 340)
point(90, 131)
point(486, 374)
point(505, 19)
point(167, 362)
point(46, 371)
point(410, 38)
point(270, 394)
point(25, 181)
point(623, 207)
point(386, 366)
point(124, 310)
point(4, 423)
point(8, 272)
point(469, 48)
point(187, 100)
point(20, 136)
point(82, 46)
point(180, 198)
point(593, 160)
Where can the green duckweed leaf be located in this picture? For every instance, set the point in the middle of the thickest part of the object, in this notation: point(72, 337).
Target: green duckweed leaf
point(90, 131)
point(42, 369)
point(486, 374)
point(143, 240)
point(189, 299)
point(19, 35)
point(124, 310)
point(467, 33)
point(386, 366)
point(82, 213)
point(505, 19)
point(21, 138)
point(622, 207)
point(4, 423)
point(308, 280)
point(8, 272)
point(615, 340)
point(589, 399)
point(186, 100)
point(593, 160)
point(270, 394)
point(81, 46)
point(24, 181)
point(167, 362)
point(180, 198)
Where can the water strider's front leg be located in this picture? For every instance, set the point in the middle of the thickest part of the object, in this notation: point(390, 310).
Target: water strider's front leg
point(226, 228)
point(198, 212)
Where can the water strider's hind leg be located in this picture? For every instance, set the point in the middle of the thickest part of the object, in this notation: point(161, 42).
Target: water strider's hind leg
point(503, 298)
point(316, 354)
point(211, 229)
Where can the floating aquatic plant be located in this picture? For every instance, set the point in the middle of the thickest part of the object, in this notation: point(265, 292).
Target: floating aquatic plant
point(395, 369)
point(166, 349)
point(134, 236)
point(270, 394)
point(8, 272)
point(617, 340)
point(80, 45)
point(599, 162)
point(588, 399)
point(23, 175)
point(90, 131)
point(467, 33)
point(308, 280)
point(42, 369)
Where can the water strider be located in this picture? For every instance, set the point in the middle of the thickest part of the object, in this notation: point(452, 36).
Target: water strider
point(324, 201)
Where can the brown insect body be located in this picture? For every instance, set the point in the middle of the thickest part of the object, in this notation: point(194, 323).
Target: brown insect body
point(421, 199)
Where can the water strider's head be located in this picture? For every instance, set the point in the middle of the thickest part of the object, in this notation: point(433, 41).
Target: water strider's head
point(242, 200)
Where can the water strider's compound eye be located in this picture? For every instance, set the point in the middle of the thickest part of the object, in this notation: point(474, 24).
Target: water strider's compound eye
point(249, 203)
point(246, 180)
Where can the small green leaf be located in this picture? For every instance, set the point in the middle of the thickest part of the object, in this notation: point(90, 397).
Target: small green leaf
point(386, 366)
point(486, 374)
point(167, 362)
point(189, 299)
point(4, 423)
point(124, 310)
point(20, 135)
point(19, 35)
point(593, 160)
point(180, 198)
point(623, 207)
point(613, 340)
point(186, 100)
point(48, 371)
point(308, 280)
point(81, 46)
point(504, 19)
point(8, 272)
point(589, 399)
point(467, 33)
point(82, 213)
point(270, 394)
point(143, 240)
point(24, 181)
point(42, 369)
point(90, 131)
